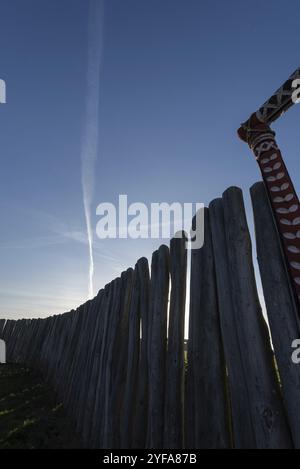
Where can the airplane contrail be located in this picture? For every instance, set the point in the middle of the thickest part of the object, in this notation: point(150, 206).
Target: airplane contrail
point(91, 128)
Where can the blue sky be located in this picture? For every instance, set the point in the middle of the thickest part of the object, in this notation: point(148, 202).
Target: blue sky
point(177, 78)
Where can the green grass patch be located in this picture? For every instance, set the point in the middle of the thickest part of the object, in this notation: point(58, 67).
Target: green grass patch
point(30, 416)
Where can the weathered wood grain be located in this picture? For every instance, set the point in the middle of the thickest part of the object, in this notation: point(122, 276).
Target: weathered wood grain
point(159, 310)
point(174, 392)
point(140, 424)
point(207, 374)
point(121, 376)
point(281, 309)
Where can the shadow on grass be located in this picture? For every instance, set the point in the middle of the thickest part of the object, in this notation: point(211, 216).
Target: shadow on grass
point(30, 417)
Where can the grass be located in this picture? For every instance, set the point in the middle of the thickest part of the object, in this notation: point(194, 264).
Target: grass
point(30, 417)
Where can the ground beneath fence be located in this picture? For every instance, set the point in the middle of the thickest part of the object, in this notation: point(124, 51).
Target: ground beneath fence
point(30, 417)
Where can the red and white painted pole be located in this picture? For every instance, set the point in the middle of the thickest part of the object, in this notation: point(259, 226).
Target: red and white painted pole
point(257, 133)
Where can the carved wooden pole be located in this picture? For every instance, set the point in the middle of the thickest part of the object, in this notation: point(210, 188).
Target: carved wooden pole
point(257, 133)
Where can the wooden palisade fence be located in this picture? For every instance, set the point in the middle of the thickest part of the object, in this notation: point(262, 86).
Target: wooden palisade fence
point(118, 362)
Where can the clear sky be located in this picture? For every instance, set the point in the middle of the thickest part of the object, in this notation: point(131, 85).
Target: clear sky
point(177, 78)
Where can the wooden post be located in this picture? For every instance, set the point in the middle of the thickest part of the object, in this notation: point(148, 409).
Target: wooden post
point(120, 361)
point(241, 417)
point(206, 366)
point(109, 382)
point(270, 426)
point(257, 413)
point(281, 308)
point(174, 395)
point(159, 310)
point(130, 390)
point(141, 416)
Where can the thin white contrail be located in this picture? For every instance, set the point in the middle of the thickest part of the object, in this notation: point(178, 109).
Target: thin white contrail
point(91, 128)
